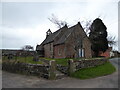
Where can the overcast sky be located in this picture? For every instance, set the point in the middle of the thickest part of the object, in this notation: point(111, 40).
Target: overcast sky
point(26, 23)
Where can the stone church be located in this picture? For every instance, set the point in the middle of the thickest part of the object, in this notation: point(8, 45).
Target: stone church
point(66, 42)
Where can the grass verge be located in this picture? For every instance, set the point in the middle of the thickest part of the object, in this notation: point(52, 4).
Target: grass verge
point(93, 72)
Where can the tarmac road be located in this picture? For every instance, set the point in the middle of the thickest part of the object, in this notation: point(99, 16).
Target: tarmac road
point(10, 80)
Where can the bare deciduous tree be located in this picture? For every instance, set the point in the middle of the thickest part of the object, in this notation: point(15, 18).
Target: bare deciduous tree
point(86, 26)
point(57, 22)
point(111, 41)
point(27, 48)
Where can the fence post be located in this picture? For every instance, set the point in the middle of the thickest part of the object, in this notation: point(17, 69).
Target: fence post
point(52, 74)
point(70, 67)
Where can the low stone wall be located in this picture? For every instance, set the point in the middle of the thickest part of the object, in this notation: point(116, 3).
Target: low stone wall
point(43, 60)
point(63, 69)
point(49, 70)
point(74, 65)
point(29, 69)
point(77, 65)
point(89, 63)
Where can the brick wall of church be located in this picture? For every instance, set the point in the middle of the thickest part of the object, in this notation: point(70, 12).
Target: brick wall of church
point(48, 50)
point(59, 51)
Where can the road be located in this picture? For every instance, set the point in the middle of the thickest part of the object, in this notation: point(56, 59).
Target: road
point(10, 80)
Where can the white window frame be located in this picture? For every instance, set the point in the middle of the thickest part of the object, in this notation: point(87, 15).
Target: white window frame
point(82, 50)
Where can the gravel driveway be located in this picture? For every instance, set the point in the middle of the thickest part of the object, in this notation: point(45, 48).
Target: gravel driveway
point(10, 80)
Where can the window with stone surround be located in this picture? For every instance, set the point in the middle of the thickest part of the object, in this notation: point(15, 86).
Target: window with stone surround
point(59, 51)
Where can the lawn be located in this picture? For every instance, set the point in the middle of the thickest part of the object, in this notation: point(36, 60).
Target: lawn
point(64, 61)
point(93, 72)
point(28, 59)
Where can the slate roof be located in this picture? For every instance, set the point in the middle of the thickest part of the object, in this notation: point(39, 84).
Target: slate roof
point(62, 38)
point(39, 47)
point(51, 37)
point(65, 35)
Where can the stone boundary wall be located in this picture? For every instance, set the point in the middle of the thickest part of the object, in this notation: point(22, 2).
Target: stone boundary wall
point(30, 69)
point(77, 65)
point(89, 63)
point(63, 69)
point(48, 71)
point(43, 60)
point(74, 65)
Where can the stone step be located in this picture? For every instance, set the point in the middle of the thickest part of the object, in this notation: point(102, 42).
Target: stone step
point(59, 75)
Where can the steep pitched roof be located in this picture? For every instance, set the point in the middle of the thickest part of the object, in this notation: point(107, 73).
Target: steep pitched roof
point(39, 47)
point(51, 37)
point(69, 31)
point(61, 36)
point(65, 35)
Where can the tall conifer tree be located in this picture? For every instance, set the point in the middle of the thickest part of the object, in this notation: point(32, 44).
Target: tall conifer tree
point(98, 36)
